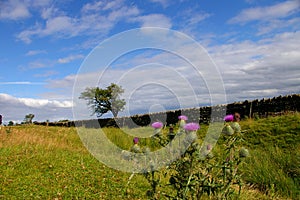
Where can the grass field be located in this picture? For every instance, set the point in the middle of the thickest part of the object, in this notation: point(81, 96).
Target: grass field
point(40, 162)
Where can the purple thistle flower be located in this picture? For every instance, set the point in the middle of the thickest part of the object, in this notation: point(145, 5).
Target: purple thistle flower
point(135, 140)
point(209, 147)
point(228, 118)
point(191, 127)
point(157, 125)
point(183, 117)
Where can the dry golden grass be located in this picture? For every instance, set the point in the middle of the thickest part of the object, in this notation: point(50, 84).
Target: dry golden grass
point(43, 136)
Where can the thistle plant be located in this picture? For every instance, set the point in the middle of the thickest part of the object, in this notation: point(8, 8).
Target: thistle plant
point(158, 135)
point(135, 148)
point(181, 123)
point(153, 177)
point(183, 176)
point(233, 155)
point(199, 172)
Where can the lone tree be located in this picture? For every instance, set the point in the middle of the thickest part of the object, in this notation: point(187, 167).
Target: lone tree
point(103, 100)
point(28, 118)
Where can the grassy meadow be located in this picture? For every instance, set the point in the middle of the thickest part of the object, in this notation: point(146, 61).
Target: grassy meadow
point(40, 162)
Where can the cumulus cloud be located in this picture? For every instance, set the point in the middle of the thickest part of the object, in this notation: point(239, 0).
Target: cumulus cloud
point(93, 19)
point(18, 9)
point(70, 58)
point(14, 108)
point(158, 80)
point(154, 20)
point(35, 52)
point(260, 69)
point(292, 24)
point(13, 10)
point(279, 10)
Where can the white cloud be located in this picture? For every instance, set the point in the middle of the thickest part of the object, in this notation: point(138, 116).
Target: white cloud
point(13, 10)
point(38, 64)
point(279, 10)
point(21, 83)
point(164, 3)
point(196, 18)
point(154, 20)
point(70, 58)
point(124, 12)
point(96, 18)
point(260, 69)
point(95, 6)
point(292, 24)
point(111, 5)
point(20, 9)
point(35, 52)
point(14, 108)
point(59, 24)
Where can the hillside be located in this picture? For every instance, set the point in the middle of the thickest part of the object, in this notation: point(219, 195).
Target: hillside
point(40, 162)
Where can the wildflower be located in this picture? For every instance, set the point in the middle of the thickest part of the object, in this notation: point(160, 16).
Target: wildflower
point(183, 117)
point(157, 125)
point(182, 121)
point(191, 127)
point(209, 147)
point(135, 140)
point(135, 148)
point(228, 118)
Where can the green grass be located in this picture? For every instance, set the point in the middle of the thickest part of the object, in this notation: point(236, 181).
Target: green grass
point(51, 162)
point(274, 144)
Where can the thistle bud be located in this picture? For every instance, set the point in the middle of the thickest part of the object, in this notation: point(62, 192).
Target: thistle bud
point(227, 130)
point(236, 127)
point(136, 148)
point(243, 152)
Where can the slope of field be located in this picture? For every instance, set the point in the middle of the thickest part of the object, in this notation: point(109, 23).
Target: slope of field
point(40, 162)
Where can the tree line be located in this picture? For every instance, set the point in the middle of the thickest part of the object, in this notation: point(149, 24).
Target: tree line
point(247, 109)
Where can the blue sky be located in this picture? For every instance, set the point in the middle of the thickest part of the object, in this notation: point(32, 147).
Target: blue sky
point(46, 45)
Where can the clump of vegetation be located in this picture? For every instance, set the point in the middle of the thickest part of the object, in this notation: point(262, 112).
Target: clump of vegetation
point(198, 172)
point(51, 163)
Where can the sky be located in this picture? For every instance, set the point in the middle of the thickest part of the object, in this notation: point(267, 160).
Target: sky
point(166, 54)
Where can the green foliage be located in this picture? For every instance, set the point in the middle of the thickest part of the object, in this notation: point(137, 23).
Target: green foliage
point(104, 100)
point(271, 169)
point(28, 118)
point(281, 131)
point(200, 173)
point(10, 123)
point(51, 163)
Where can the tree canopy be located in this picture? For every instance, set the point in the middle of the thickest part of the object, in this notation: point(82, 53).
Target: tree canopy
point(104, 100)
point(28, 118)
